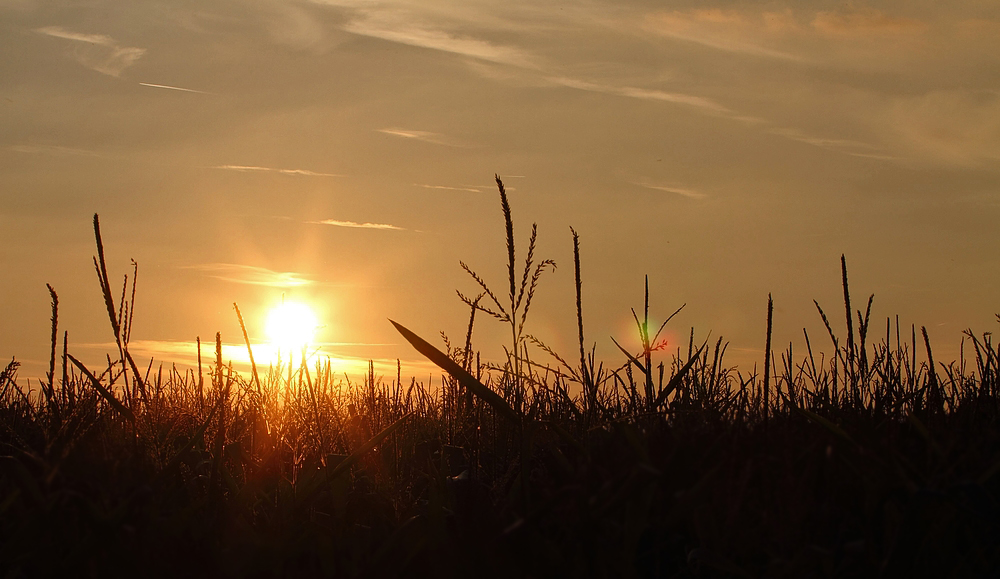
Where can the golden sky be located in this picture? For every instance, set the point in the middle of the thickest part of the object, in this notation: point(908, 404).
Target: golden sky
point(342, 153)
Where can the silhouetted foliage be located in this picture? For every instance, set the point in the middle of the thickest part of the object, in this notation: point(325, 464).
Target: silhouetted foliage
point(868, 462)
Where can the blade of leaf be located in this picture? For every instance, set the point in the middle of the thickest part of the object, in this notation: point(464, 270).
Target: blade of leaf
point(631, 358)
point(112, 400)
point(179, 455)
point(355, 456)
point(676, 379)
point(825, 423)
point(664, 324)
point(459, 373)
point(345, 465)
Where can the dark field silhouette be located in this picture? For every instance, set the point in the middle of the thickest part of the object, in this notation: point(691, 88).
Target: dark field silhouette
point(871, 461)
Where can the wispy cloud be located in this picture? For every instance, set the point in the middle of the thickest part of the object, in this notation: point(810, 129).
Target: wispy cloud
point(800, 36)
point(425, 27)
point(726, 30)
point(405, 27)
point(185, 353)
point(59, 32)
point(252, 275)
point(181, 351)
point(97, 51)
point(447, 188)
point(646, 94)
point(355, 224)
point(166, 86)
point(52, 150)
point(865, 22)
point(425, 136)
point(685, 192)
point(251, 168)
point(846, 146)
point(958, 127)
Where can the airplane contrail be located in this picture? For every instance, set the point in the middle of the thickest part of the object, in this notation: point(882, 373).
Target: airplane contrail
point(172, 87)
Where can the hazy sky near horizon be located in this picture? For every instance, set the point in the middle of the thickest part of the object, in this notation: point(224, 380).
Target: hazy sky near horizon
point(342, 152)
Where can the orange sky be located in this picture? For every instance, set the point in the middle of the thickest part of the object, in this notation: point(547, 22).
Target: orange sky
point(342, 152)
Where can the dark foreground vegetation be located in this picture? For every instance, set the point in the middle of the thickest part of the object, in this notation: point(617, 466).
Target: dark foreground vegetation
point(874, 461)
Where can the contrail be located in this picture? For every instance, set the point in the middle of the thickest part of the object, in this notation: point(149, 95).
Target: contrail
point(356, 224)
point(305, 172)
point(172, 87)
point(678, 190)
point(445, 187)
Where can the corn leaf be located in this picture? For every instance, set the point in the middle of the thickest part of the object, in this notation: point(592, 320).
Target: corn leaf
point(104, 392)
point(676, 380)
point(333, 472)
point(459, 373)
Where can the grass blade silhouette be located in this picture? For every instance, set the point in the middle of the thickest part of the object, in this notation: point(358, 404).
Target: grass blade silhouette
point(104, 392)
point(331, 473)
point(676, 380)
point(630, 357)
point(459, 373)
point(358, 453)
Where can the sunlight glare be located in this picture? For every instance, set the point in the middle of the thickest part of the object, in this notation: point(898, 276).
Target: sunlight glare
point(291, 326)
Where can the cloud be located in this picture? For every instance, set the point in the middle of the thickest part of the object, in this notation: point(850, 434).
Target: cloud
point(337, 223)
point(54, 150)
point(689, 193)
point(298, 28)
point(97, 51)
point(726, 30)
point(149, 84)
point(423, 26)
point(865, 22)
point(447, 188)
point(847, 146)
point(252, 275)
point(59, 32)
point(425, 136)
point(249, 168)
point(185, 353)
point(805, 36)
point(646, 94)
point(405, 27)
point(958, 127)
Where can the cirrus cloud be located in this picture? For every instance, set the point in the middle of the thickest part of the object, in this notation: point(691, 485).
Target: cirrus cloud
point(355, 224)
point(254, 168)
point(251, 275)
point(97, 51)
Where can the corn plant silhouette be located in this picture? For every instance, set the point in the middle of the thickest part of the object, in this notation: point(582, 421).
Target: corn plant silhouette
point(514, 310)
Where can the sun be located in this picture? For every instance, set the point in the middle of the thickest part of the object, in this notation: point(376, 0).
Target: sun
point(291, 326)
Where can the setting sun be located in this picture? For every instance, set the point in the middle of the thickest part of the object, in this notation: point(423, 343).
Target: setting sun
point(291, 326)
